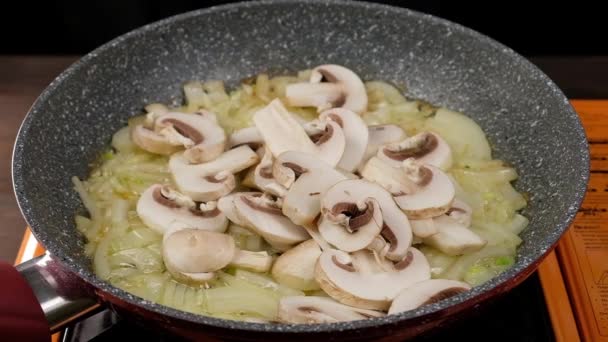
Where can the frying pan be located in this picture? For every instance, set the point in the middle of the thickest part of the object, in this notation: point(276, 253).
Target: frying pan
point(528, 120)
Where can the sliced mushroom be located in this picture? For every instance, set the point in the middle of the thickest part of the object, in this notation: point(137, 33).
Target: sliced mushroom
point(162, 208)
point(214, 179)
point(380, 135)
point(426, 292)
point(246, 136)
point(461, 212)
point(434, 191)
point(423, 228)
point(453, 238)
point(310, 177)
point(282, 132)
point(329, 139)
point(356, 136)
point(296, 267)
point(226, 206)
point(263, 178)
point(395, 228)
point(426, 148)
point(263, 214)
point(394, 180)
point(358, 281)
point(194, 255)
point(200, 134)
point(342, 88)
point(153, 142)
point(310, 309)
point(350, 226)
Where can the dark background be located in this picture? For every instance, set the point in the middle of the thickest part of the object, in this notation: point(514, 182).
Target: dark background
point(78, 26)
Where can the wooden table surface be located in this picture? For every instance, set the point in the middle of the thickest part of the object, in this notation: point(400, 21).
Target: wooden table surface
point(22, 78)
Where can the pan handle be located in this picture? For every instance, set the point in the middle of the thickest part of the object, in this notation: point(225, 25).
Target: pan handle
point(63, 296)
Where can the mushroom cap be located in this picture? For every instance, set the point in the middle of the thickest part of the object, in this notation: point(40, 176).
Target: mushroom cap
point(434, 194)
point(425, 147)
point(302, 201)
point(356, 135)
point(311, 309)
point(161, 213)
point(360, 282)
point(453, 238)
point(381, 135)
point(351, 226)
point(426, 292)
point(395, 224)
point(214, 179)
point(264, 216)
point(296, 267)
point(194, 254)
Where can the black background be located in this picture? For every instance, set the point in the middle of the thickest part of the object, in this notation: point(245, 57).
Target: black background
point(78, 26)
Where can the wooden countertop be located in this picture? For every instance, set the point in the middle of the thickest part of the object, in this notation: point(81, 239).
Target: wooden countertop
point(22, 78)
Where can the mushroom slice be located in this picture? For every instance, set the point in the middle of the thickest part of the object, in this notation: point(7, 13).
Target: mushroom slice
point(343, 88)
point(282, 132)
point(246, 136)
point(214, 179)
point(461, 212)
point(426, 292)
point(263, 215)
point(434, 191)
point(426, 148)
point(395, 227)
point(351, 226)
point(453, 238)
point(352, 280)
point(311, 309)
point(311, 177)
point(356, 135)
point(296, 267)
point(263, 178)
point(392, 179)
point(381, 135)
point(329, 139)
point(199, 133)
point(194, 255)
point(226, 206)
point(423, 228)
point(162, 208)
point(153, 142)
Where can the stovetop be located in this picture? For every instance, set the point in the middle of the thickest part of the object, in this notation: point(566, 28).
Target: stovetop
point(520, 315)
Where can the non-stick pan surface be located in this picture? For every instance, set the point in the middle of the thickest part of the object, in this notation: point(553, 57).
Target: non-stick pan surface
point(528, 120)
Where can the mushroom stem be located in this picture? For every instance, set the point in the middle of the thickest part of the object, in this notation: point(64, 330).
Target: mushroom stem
point(254, 261)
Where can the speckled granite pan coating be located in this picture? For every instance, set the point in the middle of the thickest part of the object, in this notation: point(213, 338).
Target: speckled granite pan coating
point(529, 121)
